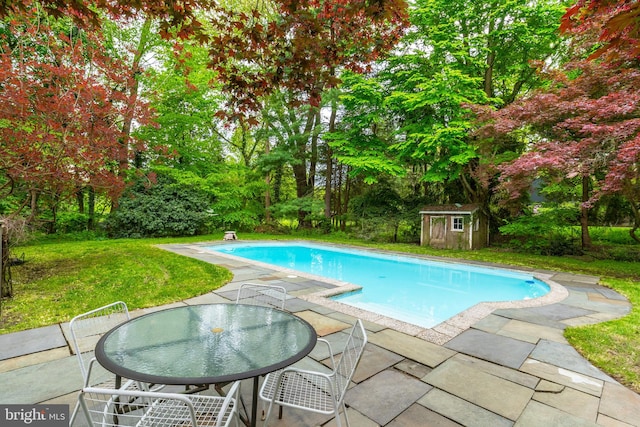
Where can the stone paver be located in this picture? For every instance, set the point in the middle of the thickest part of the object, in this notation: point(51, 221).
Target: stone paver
point(504, 372)
point(374, 360)
point(33, 359)
point(539, 415)
point(564, 376)
point(356, 419)
point(621, 404)
point(411, 347)
point(461, 411)
point(491, 323)
point(565, 356)
point(495, 348)
point(419, 416)
point(496, 394)
point(577, 403)
point(322, 324)
point(37, 383)
point(31, 341)
point(413, 368)
point(392, 391)
point(558, 311)
point(529, 332)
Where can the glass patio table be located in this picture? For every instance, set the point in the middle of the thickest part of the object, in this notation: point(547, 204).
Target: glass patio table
point(206, 344)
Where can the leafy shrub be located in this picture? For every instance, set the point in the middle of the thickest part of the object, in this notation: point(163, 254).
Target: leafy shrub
point(611, 235)
point(166, 207)
point(625, 253)
point(71, 222)
point(548, 232)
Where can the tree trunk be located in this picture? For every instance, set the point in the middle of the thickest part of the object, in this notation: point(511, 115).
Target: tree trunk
point(636, 221)
point(488, 75)
point(277, 185)
point(6, 290)
point(303, 187)
point(491, 59)
point(267, 193)
point(133, 93)
point(329, 162)
point(313, 160)
point(51, 229)
point(33, 203)
point(345, 202)
point(584, 214)
point(338, 196)
point(91, 222)
point(80, 199)
point(300, 174)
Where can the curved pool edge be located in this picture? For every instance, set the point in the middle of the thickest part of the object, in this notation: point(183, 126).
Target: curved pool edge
point(438, 334)
point(448, 329)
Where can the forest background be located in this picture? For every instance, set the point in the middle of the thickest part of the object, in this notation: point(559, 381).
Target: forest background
point(148, 119)
point(334, 118)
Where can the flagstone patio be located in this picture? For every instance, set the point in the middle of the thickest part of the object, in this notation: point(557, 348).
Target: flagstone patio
point(511, 367)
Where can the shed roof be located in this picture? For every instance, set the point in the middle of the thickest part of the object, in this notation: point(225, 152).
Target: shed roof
point(449, 209)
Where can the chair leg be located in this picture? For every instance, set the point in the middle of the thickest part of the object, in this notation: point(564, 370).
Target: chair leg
point(346, 417)
point(243, 407)
point(266, 419)
point(74, 414)
point(337, 417)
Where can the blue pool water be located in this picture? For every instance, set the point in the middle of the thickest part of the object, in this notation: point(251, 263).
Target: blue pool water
point(417, 291)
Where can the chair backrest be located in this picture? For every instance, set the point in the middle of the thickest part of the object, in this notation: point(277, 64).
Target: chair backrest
point(111, 408)
point(87, 328)
point(265, 295)
point(349, 359)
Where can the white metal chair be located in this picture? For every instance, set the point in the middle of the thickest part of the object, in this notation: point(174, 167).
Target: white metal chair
point(111, 408)
point(317, 391)
point(265, 295)
point(87, 328)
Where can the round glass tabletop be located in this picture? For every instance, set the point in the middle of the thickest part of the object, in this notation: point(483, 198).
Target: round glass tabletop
point(205, 344)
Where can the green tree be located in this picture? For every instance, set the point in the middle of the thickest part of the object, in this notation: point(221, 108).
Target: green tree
point(294, 132)
point(186, 133)
point(366, 131)
point(466, 52)
point(457, 53)
point(238, 192)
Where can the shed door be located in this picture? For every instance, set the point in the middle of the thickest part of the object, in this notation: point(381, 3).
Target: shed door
point(438, 228)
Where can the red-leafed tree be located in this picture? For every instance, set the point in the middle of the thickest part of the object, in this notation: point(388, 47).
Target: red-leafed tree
point(171, 14)
point(293, 44)
point(586, 125)
point(61, 106)
point(616, 23)
point(301, 46)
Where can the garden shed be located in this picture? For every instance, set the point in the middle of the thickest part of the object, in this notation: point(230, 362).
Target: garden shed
point(453, 227)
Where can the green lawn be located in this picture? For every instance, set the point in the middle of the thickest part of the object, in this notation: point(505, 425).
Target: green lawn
point(62, 279)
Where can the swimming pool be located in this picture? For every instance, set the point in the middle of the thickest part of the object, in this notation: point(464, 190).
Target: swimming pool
point(417, 291)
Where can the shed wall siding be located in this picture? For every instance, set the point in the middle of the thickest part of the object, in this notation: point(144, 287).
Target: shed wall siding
point(469, 238)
